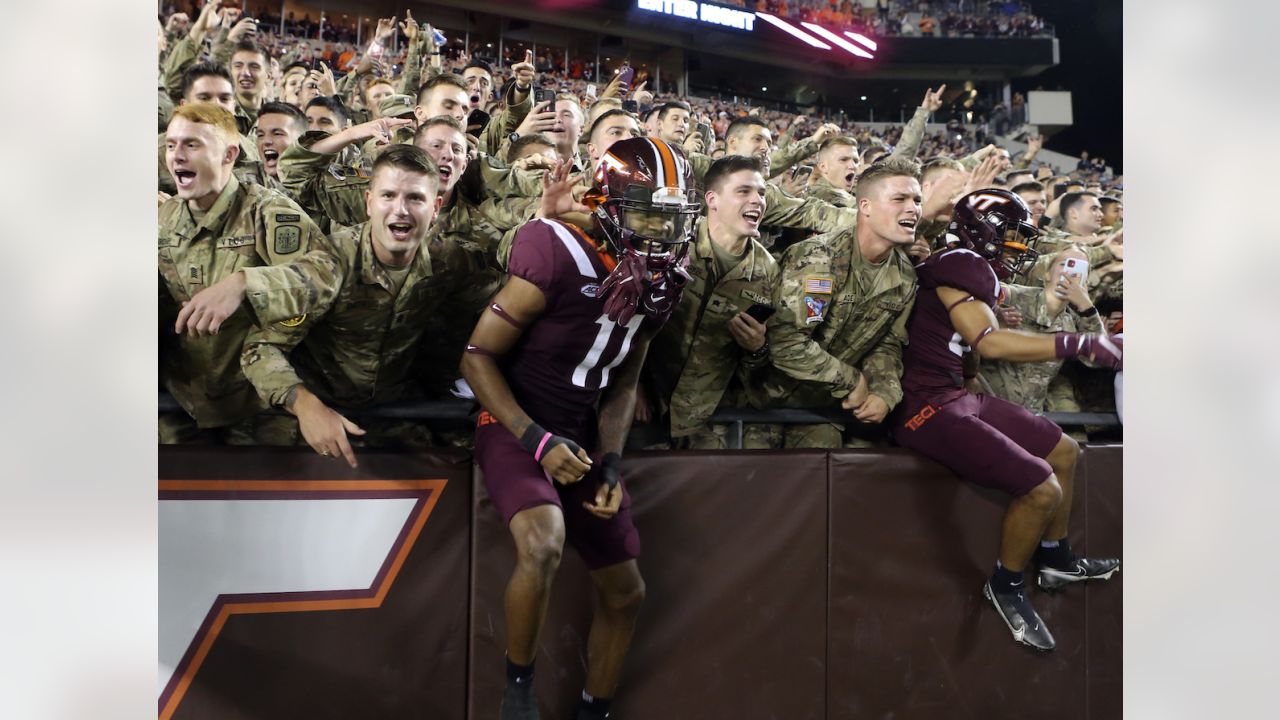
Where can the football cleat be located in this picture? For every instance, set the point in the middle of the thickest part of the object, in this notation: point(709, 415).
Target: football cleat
point(1023, 622)
point(1051, 578)
point(519, 702)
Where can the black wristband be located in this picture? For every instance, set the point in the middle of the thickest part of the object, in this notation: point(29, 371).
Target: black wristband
point(762, 352)
point(533, 437)
point(609, 466)
point(1093, 310)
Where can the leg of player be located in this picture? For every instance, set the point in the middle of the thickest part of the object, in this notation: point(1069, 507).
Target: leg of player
point(539, 536)
point(1058, 565)
point(1024, 524)
point(619, 594)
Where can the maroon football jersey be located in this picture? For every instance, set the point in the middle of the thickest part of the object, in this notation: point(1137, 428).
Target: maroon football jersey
point(568, 355)
point(932, 366)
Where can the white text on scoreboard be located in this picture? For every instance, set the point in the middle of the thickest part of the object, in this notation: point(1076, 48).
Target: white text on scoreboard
point(714, 14)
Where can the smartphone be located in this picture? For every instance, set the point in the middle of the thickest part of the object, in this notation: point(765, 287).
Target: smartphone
point(1076, 266)
point(476, 122)
point(708, 137)
point(630, 106)
point(591, 89)
point(801, 171)
point(761, 312)
point(625, 76)
point(543, 95)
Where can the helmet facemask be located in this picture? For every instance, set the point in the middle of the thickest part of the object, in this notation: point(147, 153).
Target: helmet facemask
point(653, 224)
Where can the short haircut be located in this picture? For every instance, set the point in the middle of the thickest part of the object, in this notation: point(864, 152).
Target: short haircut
point(721, 169)
point(295, 65)
point(409, 158)
point(478, 63)
point(526, 140)
point(937, 166)
point(204, 69)
point(333, 104)
point(442, 79)
point(283, 108)
point(1009, 176)
point(1029, 186)
point(253, 47)
point(573, 99)
point(743, 124)
point(841, 140)
point(375, 82)
point(1107, 201)
point(207, 113)
point(608, 114)
point(435, 122)
point(893, 167)
point(667, 107)
point(652, 111)
point(874, 154)
point(1070, 200)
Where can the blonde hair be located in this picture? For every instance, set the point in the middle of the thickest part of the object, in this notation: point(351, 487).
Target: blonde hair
point(893, 167)
point(223, 122)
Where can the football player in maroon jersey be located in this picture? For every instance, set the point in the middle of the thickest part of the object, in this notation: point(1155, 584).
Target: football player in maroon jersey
point(984, 439)
point(568, 333)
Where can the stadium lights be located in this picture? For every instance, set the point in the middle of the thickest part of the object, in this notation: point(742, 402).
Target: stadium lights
point(863, 39)
point(848, 46)
point(792, 30)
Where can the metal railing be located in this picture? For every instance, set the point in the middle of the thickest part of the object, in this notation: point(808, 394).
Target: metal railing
point(737, 418)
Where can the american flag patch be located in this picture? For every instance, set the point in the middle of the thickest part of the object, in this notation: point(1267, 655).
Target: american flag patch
point(817, 285)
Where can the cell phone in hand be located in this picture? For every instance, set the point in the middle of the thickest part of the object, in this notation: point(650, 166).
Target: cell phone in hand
point(761, 312)
point(800, 172)
point(630, 106)
point(544, 95)
point(708, 137)
point(1076, 266)
point(625, 76)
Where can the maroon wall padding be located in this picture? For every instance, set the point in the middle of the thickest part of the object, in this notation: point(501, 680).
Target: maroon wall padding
point(405, 659)
point(734, 625)
point(911, 635)
point(1103, 514)
point(780, 585)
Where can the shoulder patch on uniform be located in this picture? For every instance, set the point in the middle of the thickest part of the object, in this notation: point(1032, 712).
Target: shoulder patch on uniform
point(293, 321)
point(818, 284)
point(285, 218)
point(288, 238)
point(815, 309)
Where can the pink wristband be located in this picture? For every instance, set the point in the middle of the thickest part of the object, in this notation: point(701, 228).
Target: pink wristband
point(537, 455)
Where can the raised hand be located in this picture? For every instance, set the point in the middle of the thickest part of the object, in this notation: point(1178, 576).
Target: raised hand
point(557, 193)
point(409, 26)
point(933, 99)
point(524, 72)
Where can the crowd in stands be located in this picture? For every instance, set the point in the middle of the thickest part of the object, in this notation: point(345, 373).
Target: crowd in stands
point(313, 117)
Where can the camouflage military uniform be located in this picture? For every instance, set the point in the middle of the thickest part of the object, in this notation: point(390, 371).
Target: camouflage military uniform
point(912, 135)
point(785, 156)
point(334, 193)
point(825, 191)
point(247, 226)
point(361, 341)
point(493, 139)
point(1027, 384)
point(694, 356)
point(838, 316)
point(1054, 241)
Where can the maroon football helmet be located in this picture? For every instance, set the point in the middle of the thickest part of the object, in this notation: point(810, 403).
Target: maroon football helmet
point(997, 225)
point(644, 201)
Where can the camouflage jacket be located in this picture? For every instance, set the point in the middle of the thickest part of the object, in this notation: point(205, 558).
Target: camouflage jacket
point(1027, 383)
point(912, 135)
point(1054, 241)
point(247, 226)
point(827, 192)
point(362, 339)
point(334, 193)
point(694, 356)
point(838, 316)
point(493, 139)
point(784, 157)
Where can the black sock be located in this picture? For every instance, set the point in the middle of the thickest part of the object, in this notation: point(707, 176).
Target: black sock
point(1005, 581)
point(593, 708)
point(1055, 553)
point(519, 674)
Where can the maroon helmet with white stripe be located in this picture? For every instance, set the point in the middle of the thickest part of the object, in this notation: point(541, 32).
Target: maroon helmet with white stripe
point(644, 201)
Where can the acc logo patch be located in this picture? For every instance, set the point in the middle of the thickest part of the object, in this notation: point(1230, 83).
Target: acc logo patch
point(591, 290)
point(293, 321)
point(288, 239)
point(814, 309)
